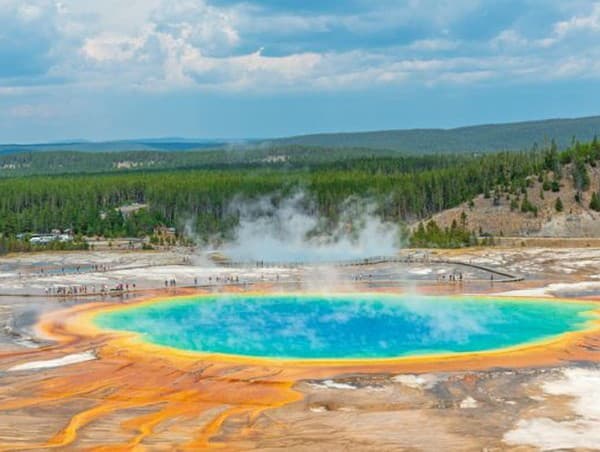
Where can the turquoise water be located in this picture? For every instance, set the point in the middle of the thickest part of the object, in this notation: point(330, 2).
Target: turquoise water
point(346, 326)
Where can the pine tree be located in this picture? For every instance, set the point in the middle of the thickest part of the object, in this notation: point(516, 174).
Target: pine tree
point(580, 175)
point(514, 205)
point(595, 202)
point(559, 205)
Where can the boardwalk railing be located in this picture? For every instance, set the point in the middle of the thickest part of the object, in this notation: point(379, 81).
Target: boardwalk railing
point(377, 260)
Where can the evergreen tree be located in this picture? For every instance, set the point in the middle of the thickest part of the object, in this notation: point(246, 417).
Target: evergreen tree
point(558, 205)
point(580, 174)
point(595, 202)
point(514, 204)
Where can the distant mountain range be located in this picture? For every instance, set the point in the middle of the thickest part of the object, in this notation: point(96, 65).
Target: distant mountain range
point(158, 144)
point(481, 138)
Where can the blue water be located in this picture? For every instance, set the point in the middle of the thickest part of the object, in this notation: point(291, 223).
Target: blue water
point(346, 326)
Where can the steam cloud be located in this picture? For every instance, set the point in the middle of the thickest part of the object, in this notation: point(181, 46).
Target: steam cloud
point(288, 233)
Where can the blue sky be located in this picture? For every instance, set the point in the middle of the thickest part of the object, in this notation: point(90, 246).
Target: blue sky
point(108, 69)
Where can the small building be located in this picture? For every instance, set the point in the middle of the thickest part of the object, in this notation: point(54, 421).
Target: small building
point(130, 209)
point(165, 232)
point(44, 239)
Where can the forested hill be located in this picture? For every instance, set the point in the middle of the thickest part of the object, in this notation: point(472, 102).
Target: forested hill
point(473, 139)
point(276, 157)
point(401, 190)
point(483, 138)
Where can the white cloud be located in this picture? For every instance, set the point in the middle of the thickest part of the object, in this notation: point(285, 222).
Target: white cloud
point(112, 47)
point(28, 12)
point(580, 23)
point(206, 27)
point(434, 45)
point(390, 14)
point(175, 44)
point(509, 38)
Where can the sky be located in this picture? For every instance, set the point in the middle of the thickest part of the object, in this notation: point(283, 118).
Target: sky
point(109, 69)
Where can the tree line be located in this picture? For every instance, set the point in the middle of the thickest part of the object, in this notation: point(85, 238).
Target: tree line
point(403, 189)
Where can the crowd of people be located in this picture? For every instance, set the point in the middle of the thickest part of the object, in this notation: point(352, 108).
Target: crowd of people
point(452, 277)
point(126, 287)
point(67, 291)
point(77, 269)
point(83, 289)
point(210, 281)
point(221, 280)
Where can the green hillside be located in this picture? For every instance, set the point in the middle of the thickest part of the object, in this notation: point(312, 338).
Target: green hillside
point(483, 138)
point(472, 139)
point(275, 157)
point(399, 189)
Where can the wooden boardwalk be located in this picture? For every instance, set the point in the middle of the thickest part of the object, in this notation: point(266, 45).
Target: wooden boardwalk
point(500, 276)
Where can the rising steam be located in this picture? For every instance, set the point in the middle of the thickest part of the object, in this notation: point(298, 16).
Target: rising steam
point(287, 232)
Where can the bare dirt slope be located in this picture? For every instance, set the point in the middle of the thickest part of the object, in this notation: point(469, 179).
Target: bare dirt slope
point(497, 218)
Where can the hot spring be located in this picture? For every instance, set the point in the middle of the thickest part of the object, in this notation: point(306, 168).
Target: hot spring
point(357, 326)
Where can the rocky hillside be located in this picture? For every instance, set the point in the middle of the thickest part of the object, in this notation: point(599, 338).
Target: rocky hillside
point(503, 215)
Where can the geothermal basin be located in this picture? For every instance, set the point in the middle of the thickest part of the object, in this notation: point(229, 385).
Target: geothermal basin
point(347, 326)
point(287, 360)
